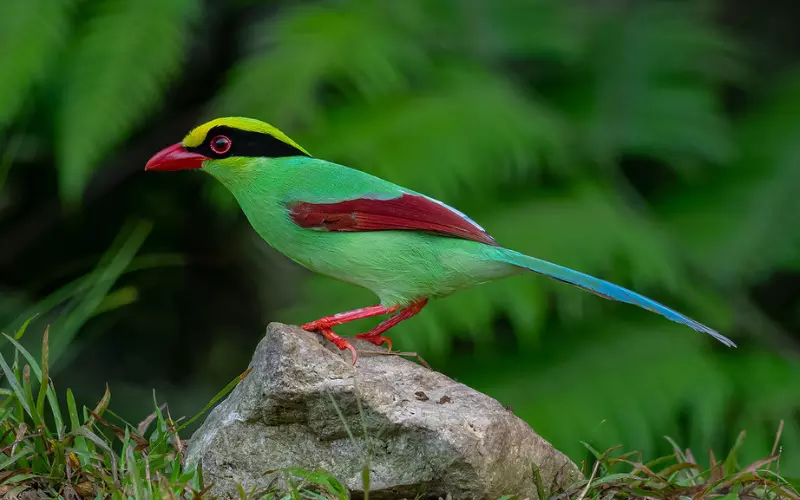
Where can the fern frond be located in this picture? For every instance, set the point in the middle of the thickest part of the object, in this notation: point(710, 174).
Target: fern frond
point(469, 131)
point(730, 226)
point(507, 29)
point(312, 46)
point(31, 33)
point(538, 28)
point(123, 59)
point(651, 88)
point(771, 152)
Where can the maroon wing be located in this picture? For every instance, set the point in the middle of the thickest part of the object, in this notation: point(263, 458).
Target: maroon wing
point(408, 212)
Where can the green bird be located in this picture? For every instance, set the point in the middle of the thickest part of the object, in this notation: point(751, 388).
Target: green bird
point(404, 246)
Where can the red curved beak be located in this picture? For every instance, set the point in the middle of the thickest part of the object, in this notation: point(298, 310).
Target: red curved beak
point(175, 157)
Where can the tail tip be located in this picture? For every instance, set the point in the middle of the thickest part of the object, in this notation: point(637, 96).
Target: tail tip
point(722, 338)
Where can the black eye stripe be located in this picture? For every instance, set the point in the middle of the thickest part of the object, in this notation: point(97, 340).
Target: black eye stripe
point(246, 143)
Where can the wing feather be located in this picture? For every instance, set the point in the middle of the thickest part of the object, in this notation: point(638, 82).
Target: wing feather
point(408, 212)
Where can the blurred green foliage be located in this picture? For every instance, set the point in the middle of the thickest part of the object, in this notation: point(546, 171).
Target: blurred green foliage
point(644, 142)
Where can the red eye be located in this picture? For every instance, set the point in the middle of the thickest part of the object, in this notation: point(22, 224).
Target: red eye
point(220, 144)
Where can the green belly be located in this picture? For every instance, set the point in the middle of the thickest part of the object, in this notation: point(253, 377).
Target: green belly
point(398, 266)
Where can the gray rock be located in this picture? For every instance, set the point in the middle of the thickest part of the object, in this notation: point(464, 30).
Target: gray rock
point(426, 433)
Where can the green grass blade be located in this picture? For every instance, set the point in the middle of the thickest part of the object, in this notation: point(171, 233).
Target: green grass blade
point(100, 443)
point(105, 275)
point(677, 449)
point(731, 464)
point(28, 388)
point(320, 478)
point(75, 423)
point(55, 409)
point(221, 394)
point(116, 299)
point(74, 419)
point(24, 451)
point(15, 386)
point(83, 284)
point(17, 478)
point(134, 474)
point(101, 406)
point(111, 412)
point(44, 378)
point(37, 371)
point(18, 335)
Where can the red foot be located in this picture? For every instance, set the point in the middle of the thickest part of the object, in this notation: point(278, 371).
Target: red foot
point(324, 325)
point(346, 317)
point(374, 335)
point(340, 342)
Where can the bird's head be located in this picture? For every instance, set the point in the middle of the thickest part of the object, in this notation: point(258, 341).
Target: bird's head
point(224, 142)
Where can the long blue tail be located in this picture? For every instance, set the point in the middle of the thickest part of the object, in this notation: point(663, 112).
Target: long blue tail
point(604, 289)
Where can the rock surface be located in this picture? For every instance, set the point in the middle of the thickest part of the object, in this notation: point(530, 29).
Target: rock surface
point(426, 433)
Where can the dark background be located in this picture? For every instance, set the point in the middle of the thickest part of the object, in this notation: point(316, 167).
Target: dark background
point(655, 144)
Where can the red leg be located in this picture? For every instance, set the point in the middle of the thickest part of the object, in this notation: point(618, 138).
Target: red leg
point(341, 343)
point(346, 317)
point(374, 335)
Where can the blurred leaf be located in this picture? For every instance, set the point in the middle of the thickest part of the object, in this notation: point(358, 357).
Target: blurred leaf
point(324, 44)
point(125, 56)
point(21, 330)
point(650, 88)
point(490, 29)
point(535, 27)
point(31, 35)
point(772, 154)
point(80, 286)
point(732, 226)
point(84, 306)
point(471, 131)
point(116, 299)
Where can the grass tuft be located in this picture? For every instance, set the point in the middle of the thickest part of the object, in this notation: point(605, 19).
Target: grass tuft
point(82, 453)
point(679, 476)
